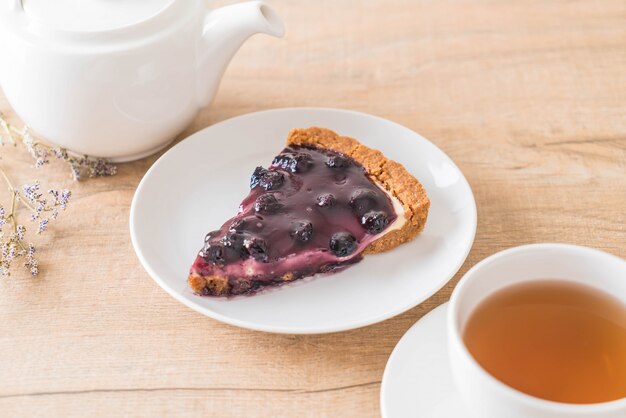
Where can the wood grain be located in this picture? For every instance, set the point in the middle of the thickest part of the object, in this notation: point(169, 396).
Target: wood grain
point(528, 98)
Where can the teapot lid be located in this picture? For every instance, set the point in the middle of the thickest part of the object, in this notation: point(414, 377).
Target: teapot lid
point(93, 15)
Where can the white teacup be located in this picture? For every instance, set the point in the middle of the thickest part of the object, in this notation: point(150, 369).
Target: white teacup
point(484, 395)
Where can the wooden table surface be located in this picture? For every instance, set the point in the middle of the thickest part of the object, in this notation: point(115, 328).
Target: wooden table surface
point(528, 98)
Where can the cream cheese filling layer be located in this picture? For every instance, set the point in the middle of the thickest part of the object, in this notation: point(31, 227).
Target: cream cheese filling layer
point(397, 207)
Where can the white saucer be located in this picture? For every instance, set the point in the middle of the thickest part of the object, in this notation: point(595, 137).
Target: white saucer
point(198, 184)
point(417, 382)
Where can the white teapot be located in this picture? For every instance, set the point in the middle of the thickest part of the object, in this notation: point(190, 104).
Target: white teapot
point(119, 78)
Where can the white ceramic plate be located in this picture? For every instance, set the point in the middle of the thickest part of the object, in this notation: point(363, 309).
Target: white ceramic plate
point(199, 183)
point(418, 382)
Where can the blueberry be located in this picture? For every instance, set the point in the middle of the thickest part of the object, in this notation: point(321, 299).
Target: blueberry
point(255, 179)
point(296, 162)
point(362, 201)
point(375, 221)
point(267, 203)
point(256, 248)
point(272, 180)
point(234, 242)
point(238, 225)
point(213, 252)
point(338, 161)
point(268, 179)
point(342, 244)
point(283, 161)
point(249, 223)
point(325, 200)
point(301, 231)
point(211, 235)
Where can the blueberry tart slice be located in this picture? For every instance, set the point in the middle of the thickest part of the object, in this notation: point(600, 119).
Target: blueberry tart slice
point(324, 202)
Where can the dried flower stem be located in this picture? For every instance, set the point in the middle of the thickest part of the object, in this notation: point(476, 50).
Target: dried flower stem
point(11, 218)
point(79, 164)
point(42, 209)
point(14, 199)
point(32, 199)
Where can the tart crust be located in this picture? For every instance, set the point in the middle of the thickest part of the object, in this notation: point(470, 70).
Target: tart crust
point(388, 174)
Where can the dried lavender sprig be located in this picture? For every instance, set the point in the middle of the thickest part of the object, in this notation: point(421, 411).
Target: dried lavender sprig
point(42, 209)
point(41, 206)
point(80, 165)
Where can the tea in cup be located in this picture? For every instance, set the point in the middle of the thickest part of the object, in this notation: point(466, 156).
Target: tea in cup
point(540, 331)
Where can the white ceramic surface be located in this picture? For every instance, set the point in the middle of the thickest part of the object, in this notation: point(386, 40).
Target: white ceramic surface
point(487, 397)
point(417, 382)
point(93, 15)
point(124, 77)
point(199, 183)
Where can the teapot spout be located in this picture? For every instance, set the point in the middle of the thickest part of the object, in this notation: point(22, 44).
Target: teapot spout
point(225, 30)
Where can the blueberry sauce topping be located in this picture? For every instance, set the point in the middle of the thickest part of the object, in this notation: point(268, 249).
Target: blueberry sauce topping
point(362, 201)
point(311, 211)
